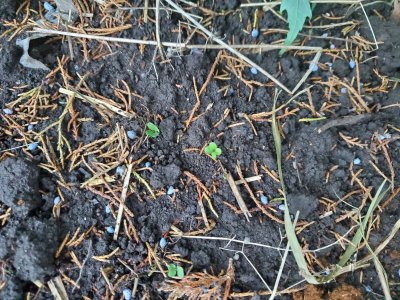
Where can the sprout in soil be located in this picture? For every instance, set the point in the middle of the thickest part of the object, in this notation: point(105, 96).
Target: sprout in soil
point(175, 271)
point(213, 150)
point(152, 130)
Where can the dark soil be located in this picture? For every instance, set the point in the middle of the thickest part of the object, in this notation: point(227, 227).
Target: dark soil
point(33, 233)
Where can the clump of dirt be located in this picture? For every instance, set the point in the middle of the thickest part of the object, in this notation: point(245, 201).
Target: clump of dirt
point(310, 292)
point(342, 292)
point(19, 185)
point(21, 244)
point(346, 292)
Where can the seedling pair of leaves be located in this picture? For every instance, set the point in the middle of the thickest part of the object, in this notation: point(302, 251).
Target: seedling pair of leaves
point(298, 11)
point(152, 130)
point(175, 271)
point(213, 150)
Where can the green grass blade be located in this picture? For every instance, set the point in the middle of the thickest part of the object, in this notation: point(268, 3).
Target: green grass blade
point(290, 230)
point(352, 247)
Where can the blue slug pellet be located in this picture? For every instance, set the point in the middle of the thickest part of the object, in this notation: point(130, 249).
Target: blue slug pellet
point(56, 200)
point(314, 67)
point(8, 111)
point(352, 64)
point(131, 134)
point(357, 161)
point(264, 199)
point(127, 294)
point(170, 191)
point(254, 70)
point(255, 33)
point(110, 229)
point(163, 243)
point(33, 146)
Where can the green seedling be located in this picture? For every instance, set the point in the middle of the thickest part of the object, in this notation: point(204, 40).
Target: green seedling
point(152, 130)
point(175, 271)
point(298, 11)
point(213, 150)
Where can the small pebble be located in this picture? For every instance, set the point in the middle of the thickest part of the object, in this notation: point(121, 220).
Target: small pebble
point(314, 67)
point(163, 243)
point(332, 46)
point(255, 33)
point(131, 134)
point(357, 161)
point(127, 294)
point(253, 71)
point(147, 164)
point(325, 35)
point(33, 146)
point(8, 111)
point(343, 90)
point(264, 200)
point(120, 171)
point(281, 207)
point(56, 200)
point(107, 209)
point(47, 6)
point(30, 127)
point(110, 229)
point(170, 191)
point(352, 64)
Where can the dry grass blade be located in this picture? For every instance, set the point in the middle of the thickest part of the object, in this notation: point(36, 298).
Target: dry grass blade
point(97, 102)
point(238, 196)
point(123, 198)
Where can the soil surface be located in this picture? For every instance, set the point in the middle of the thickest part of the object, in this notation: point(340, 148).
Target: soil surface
point(59, 201)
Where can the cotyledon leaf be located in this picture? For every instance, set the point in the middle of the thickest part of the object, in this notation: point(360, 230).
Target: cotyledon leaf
point(298, 11)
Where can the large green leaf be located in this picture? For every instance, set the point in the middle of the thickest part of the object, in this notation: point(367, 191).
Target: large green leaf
point(298, 11)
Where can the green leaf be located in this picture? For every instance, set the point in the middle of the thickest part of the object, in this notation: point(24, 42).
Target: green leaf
point(210, 148)
point(152, 126)
point(218, 151)
point(180, 272)
point(152, 130)
point(172, 270)
point(298, 11)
